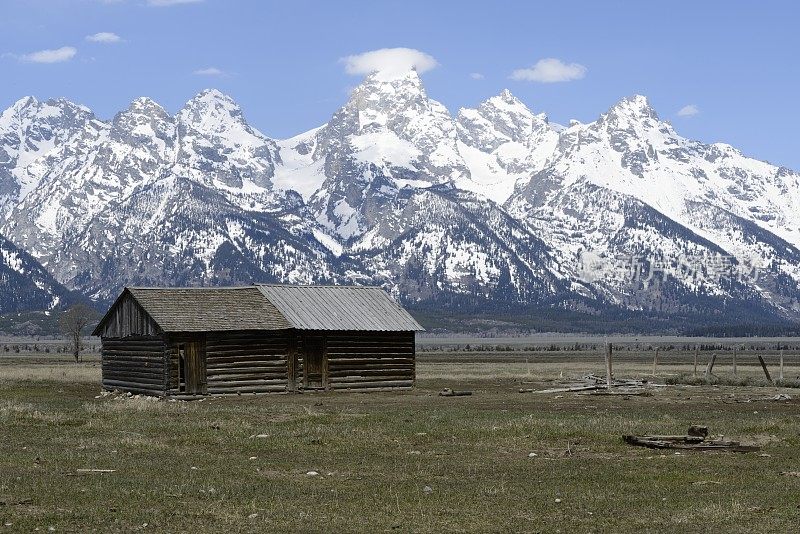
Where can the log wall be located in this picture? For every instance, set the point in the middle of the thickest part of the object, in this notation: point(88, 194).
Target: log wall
point(363, 360)
point(134, 364)
point(260, 362)
point(239, 362)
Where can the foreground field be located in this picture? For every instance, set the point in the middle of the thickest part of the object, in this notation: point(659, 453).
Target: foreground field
point(403, 461)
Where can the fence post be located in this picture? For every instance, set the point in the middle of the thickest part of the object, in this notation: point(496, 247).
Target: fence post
point(734, 361)
point(710, 365)
point(655, 362)
point(780, 372)
point(696, 351)
point(764, 367)
point(608, 365)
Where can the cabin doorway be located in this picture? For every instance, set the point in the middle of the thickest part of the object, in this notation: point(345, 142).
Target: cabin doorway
point(314, 364)
point(191, 368)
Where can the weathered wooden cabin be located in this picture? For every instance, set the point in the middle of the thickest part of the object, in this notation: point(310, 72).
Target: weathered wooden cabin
point(256, 339)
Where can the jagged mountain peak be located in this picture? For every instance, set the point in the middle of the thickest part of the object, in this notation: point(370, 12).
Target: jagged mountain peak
point(394, 93)
point(394, 77)
point(635, 107)
point(213, 99)
point(23, 103)
point(502, 141)
point(144, 104)
point(401, 194)
point(218, 145)
point(214, 112)
point(507, 98)
point(144, 121)
point(52, 109)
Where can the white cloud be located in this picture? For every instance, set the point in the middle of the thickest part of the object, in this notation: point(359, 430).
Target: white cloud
point(210, 71)
point(476, 75)
point(389, 62)
point(104, 37)
point(166, 3)
point(688, 111)
point(65, 53)
point(550, 70)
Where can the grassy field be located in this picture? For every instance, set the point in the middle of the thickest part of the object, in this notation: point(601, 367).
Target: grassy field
point(401, 461)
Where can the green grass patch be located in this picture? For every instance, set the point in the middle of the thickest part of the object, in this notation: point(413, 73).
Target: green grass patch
point(404, 461)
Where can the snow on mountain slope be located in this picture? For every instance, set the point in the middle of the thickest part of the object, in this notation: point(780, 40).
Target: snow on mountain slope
point(28, 129)
point(628, 149)
point(215, 143)
point(388, 135)
point(502, 141)
point(25, 285)
point(495, 205)
point(441, 241)
point(80, 178)
point(177, 231)
point(299, 171)
point(628, 153)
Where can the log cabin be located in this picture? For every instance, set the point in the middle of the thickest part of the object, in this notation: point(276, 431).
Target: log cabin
point(189, 342)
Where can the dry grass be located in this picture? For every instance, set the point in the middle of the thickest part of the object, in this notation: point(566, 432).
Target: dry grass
point(402, 461)
point(59, 372)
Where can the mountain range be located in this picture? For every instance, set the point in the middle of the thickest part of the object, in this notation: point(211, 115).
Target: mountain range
point(491, 208)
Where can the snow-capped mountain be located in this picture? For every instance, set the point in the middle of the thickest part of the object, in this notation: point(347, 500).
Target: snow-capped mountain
point(494, 205)
point(25, 284)
point(387, 136)
point(502, 141)
point(29, 129)
point(627, 202)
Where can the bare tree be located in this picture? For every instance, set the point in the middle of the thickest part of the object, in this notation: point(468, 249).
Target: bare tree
point(72, 322)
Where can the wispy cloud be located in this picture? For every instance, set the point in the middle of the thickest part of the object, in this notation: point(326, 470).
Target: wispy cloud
point(167, 3)
point(209, 71)
point(104, 37)
point(550, 70)
point(476, 75)
point(389, 62)
point(58, 55)
point(688, 111)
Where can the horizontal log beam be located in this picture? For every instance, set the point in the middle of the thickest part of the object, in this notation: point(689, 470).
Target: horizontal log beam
point(375, 384)
point(243, 383)
point(131, 385)
point(345, 362)
point(247, 376)
point(246, 349)
point(246, 369)
point(245, 358)
point(266, 364)
point(245, 389)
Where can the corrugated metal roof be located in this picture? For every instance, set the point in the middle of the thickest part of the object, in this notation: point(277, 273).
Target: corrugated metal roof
point(206, 309)
point(339, 308)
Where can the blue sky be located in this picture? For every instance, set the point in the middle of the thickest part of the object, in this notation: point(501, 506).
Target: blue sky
point(735, 62)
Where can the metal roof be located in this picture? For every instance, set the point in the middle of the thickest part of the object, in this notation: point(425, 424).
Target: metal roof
point(339, 308)
point(206, 309)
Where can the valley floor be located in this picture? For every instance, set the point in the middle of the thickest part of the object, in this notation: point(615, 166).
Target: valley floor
point(403, 461)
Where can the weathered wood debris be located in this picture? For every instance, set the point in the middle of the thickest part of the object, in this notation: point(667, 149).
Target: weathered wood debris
point(598, 385)
point(696, 439)
point(447, 392)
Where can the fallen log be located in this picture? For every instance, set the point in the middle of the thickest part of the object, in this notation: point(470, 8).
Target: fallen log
point(447, 392)
point(695, 440)
point(571, 389)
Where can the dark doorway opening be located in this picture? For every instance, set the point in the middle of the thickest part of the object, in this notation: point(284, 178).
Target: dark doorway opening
point(314, 364)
